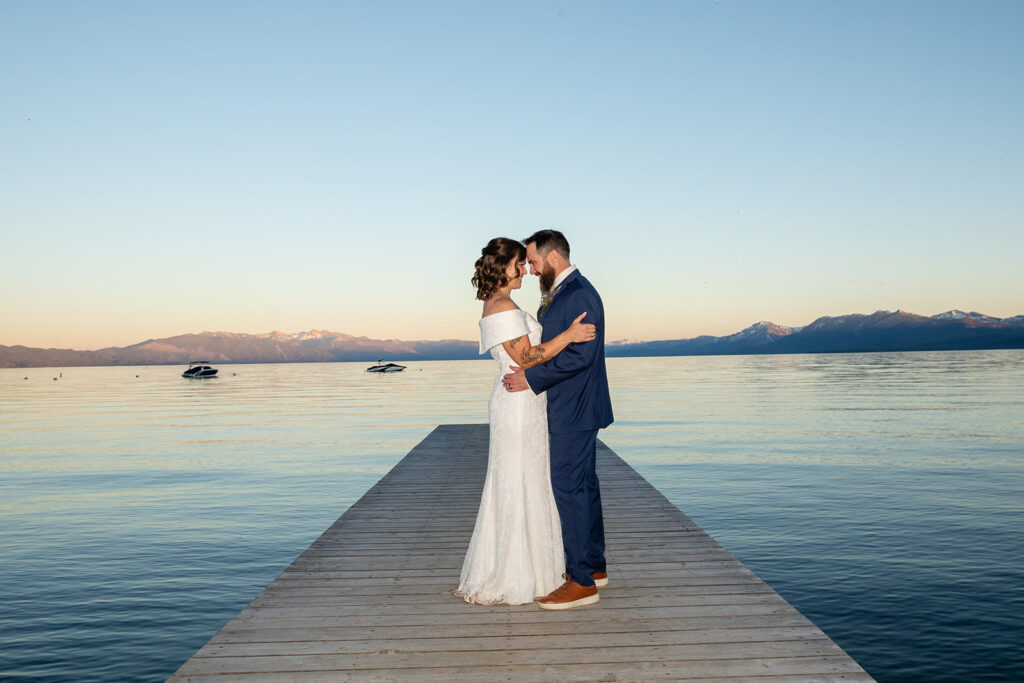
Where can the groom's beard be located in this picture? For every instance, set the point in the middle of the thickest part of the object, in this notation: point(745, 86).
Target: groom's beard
point(547, 280)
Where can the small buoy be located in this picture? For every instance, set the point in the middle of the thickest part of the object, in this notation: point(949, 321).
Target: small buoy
point(26, 378)
point(136, 375)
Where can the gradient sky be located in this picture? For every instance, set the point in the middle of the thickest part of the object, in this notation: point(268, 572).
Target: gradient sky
point(244, 166)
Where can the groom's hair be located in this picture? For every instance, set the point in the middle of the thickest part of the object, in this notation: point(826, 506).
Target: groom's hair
point(548, 240)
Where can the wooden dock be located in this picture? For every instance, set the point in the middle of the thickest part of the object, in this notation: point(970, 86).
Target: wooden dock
point(370, 599)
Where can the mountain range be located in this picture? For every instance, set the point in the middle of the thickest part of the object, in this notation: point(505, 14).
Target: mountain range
point(232, 347)
point(879, 331)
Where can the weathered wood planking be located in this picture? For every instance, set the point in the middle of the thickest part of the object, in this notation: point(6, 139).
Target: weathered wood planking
point(370, 599)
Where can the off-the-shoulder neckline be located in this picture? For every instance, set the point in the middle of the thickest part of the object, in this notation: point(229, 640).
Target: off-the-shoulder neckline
point(511, 310)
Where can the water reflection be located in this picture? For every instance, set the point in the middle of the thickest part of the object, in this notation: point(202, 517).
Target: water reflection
point(880, 493)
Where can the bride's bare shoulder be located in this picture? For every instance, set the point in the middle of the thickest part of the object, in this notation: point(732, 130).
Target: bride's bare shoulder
point(498, 305)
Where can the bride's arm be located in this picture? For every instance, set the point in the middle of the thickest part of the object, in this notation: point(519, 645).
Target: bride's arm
point(527, 356)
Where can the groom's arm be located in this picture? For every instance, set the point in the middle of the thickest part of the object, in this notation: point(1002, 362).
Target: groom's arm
point(575, 358)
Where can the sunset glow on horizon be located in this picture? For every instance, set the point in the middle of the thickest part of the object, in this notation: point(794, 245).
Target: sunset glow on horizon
point(172, 169)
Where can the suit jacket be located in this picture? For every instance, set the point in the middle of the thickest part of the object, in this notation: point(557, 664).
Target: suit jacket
point(576, 379)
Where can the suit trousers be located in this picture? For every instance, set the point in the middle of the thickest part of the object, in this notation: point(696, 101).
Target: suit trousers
point(578, 497)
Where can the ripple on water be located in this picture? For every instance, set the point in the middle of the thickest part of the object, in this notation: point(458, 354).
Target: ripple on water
point(879, 493)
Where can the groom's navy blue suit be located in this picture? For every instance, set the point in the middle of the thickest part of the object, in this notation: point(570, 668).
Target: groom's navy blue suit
point(578, 405)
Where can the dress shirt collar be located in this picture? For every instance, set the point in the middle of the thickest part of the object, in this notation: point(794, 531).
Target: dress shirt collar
point(561, 277)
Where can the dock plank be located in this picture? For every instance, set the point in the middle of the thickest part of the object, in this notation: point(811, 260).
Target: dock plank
point(371, 598)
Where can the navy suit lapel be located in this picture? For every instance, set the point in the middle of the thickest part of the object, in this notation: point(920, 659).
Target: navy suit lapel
point(564, 283)
point(542, 311)
point(545, 311)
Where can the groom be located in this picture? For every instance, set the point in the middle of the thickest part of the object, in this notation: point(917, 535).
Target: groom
point(578, 405)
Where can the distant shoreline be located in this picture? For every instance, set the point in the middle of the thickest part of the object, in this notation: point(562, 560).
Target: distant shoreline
point(879, 332)
point(487, 358)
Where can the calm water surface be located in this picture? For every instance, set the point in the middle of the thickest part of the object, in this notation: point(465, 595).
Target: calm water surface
point(881, 494)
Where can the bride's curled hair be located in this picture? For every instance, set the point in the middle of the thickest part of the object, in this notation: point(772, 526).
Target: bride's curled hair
point(490, 267)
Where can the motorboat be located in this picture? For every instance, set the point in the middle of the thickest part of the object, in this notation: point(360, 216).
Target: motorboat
point(381, 366)
point(199, 370)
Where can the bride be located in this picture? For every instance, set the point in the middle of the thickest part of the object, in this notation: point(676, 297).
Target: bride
point(516, 552)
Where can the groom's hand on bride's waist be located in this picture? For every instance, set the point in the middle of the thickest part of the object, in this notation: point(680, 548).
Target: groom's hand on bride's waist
point(515, 380)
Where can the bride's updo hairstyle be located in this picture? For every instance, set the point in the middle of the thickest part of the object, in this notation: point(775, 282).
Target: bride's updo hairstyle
point(490, 267)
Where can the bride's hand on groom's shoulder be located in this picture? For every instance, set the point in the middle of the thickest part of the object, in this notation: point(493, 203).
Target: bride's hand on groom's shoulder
point(580, 332)
point(515, 380)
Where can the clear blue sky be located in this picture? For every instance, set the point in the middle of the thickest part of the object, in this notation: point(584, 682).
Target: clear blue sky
point(243, 166)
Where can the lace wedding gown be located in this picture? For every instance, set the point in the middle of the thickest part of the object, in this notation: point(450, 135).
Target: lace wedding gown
point(516, 553)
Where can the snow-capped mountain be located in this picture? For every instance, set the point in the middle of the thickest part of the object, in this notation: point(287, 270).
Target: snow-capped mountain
point(233, 347)
point(762, 332)
point(879, 331)
point(973, 315)
point(748, 340)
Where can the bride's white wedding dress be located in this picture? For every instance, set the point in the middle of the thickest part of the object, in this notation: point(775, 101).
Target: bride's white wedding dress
point(516, 553)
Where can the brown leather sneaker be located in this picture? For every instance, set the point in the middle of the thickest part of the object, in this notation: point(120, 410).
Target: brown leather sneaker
point(570, 594)
point(600, 579)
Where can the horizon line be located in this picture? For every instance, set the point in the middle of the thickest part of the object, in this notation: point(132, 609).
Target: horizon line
point(624, 340)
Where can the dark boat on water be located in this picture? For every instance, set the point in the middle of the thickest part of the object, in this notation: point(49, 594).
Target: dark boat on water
point(381, 366)
point(199, 370)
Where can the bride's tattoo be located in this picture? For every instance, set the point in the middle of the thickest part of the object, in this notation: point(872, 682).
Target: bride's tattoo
point(530, 355)
point(536, 354)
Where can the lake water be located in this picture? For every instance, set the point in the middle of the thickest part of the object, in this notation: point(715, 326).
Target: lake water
point(881, 494)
